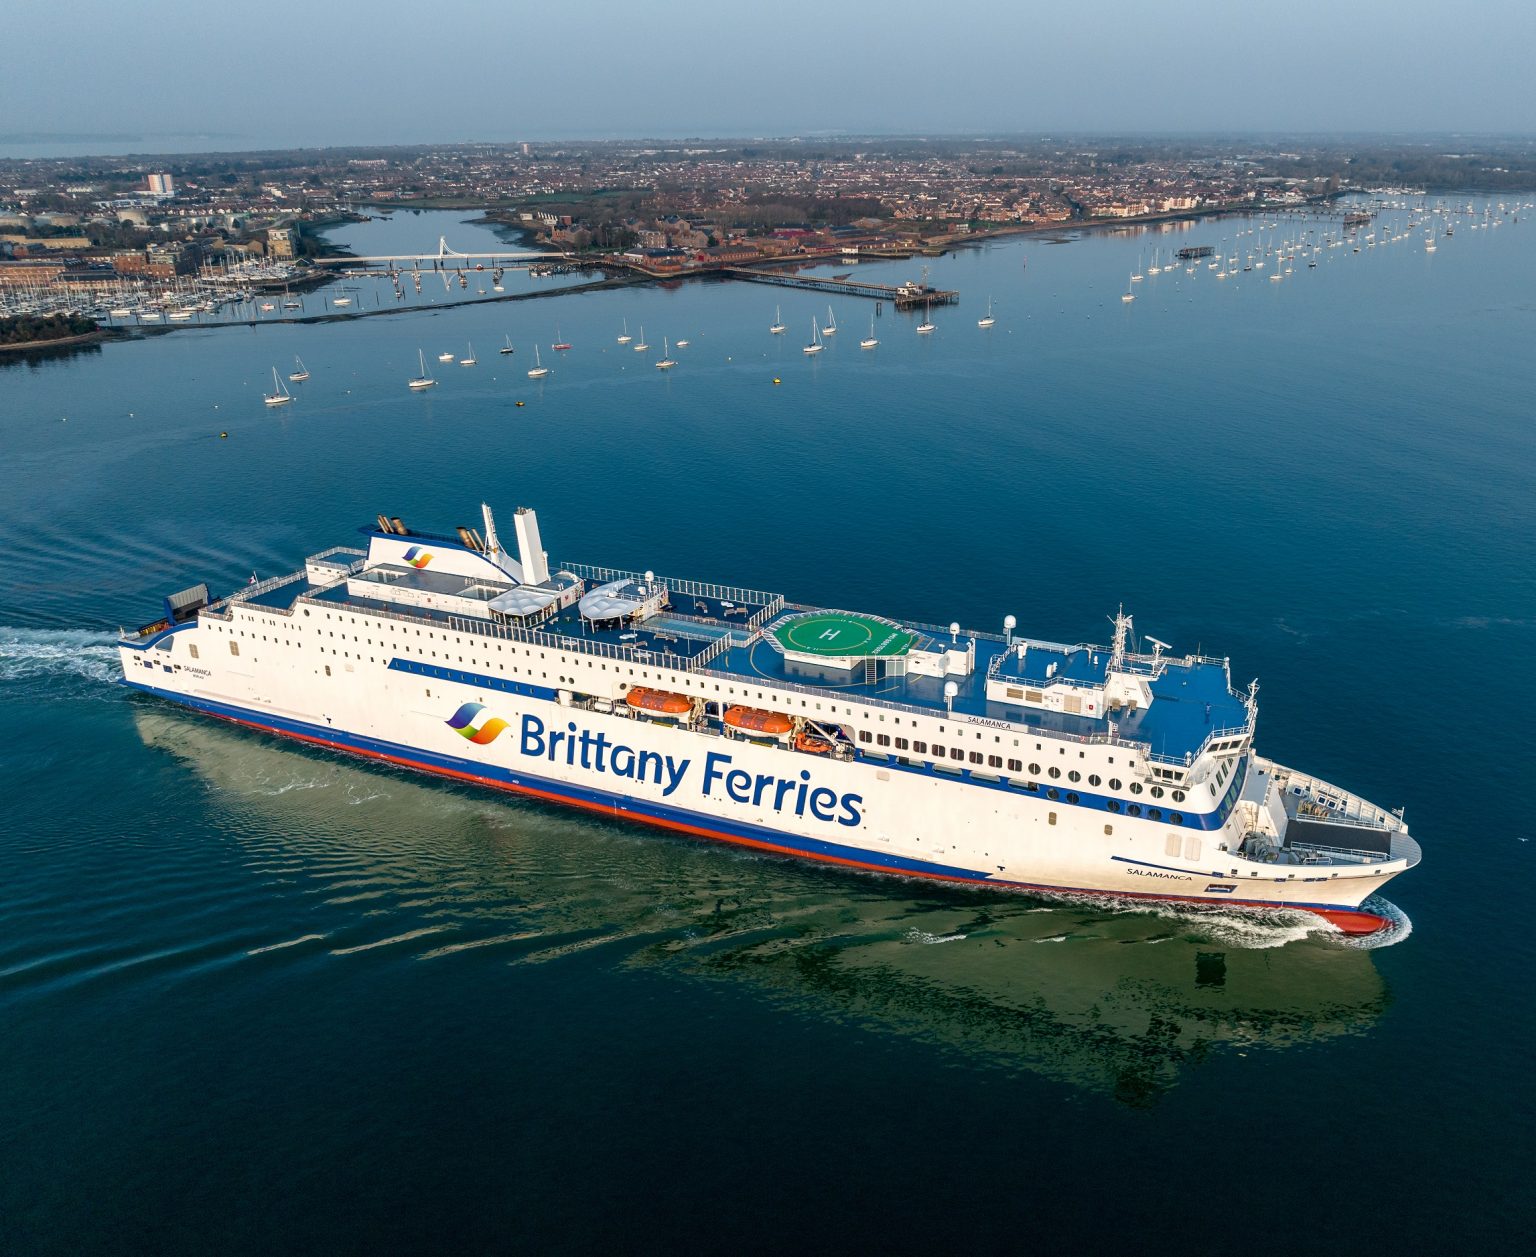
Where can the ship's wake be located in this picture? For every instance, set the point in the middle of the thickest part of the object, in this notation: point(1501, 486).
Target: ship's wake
point(29, 656)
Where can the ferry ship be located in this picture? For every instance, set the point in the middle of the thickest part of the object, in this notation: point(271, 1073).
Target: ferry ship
point(728, 713)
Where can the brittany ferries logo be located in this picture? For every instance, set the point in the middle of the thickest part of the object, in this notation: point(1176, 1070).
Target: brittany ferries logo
point(464, 723)
point(417, 557)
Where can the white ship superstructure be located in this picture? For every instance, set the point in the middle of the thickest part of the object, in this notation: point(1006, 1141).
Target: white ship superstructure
point(728, 713)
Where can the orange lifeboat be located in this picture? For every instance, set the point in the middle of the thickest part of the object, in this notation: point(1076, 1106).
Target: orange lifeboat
point(661, 703)
point(811, 744)
point(758, 724)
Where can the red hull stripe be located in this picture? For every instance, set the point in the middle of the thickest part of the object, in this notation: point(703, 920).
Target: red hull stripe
point(1349, 920)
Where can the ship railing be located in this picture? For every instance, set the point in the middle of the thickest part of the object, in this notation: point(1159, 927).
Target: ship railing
point(246, 592)
point(1215, 735)
point(699, 589)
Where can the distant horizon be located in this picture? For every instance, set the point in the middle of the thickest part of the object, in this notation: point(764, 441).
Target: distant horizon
point(20, 146)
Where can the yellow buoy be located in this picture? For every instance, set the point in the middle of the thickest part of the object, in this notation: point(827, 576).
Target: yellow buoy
point(776, 379)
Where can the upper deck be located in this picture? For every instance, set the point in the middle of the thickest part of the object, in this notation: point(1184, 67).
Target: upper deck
point(1170, 708)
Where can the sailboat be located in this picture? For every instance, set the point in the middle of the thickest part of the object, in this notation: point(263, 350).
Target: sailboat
point(507, 348)
point(869, 342)
point(559, 343)
point(423, 380)
point(989, 320)
point(538, 371)
point(1128, 296)
point(470, 360)
point(626, 337)
point(831, 328)
point(926, 326)
point(815, 347)
point(778, 322)
point(667, 361)
point(302, 373)
point(642, 346)
point(280, 396)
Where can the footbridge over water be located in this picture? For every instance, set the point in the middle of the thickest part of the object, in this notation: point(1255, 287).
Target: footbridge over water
point(444, 254)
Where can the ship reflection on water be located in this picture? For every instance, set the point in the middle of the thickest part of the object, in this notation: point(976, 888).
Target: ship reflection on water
point(1120, 1002)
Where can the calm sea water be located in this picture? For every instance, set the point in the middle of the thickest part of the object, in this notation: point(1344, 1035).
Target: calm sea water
point(257, 998)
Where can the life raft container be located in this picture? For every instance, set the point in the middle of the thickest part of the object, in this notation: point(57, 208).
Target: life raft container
point(659, 702)
point(756, 723)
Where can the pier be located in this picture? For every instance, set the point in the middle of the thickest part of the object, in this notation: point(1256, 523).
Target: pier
point(906, 296)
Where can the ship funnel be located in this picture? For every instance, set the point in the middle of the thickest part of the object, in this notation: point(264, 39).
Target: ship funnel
point(530, 550)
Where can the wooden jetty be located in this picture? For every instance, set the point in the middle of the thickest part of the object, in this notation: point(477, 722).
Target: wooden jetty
point(906, 296)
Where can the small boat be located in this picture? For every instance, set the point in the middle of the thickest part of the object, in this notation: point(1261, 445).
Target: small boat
point(755, 723)
point(625, 337)
point(831, 328)
point(815, 346)
point(279, 396)
point(989, 320)
point(302, 373)
point(641, 346)
point(778, 322)
point(1128, 296)
point(268, 306)
point(445, 357)
point(538, 371)
point(683, 344)
point(507, 348)
point(470, 359)
point(926, 327)
point(559, 343)
point(667, 361)
point(661, 703)
point(120, 312)
point(811, 744)
point(869, 342)
point(423, 380)
point(342, 301)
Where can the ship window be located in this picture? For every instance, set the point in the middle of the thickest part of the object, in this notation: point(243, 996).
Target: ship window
point(938, 751)
point(1108, 830)
point(1015, 765)
point(1155, 813)
point(1173, 846)
point(328, 673)
point(192, 649)
point(1094, 779)
point(1034, 770)
point(864, 735)
point(901, 744)
point(1013, 693)
point(994, 761)
point(1112, 804)
point(1176, 818)
point(1050, 818)
point(1157, 792)
point(1053, 771)
point(1133, 809)
point(1074, 775)
point(976, 757)
point(883, 739)
point(920, 747)
point(1114, 783)
point(1135, 787)
point(1178, 796)
point(956, 753)
point(1053, 794)
point(234, 647)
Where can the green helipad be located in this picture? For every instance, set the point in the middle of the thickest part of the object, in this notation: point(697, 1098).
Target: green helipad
point(841, 634)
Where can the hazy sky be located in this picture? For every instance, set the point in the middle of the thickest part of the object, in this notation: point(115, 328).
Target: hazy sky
point(290, 73)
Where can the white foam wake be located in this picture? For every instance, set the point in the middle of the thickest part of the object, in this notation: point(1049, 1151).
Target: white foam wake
point(31, 654)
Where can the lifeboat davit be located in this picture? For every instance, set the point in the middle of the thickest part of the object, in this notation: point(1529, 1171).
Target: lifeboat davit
point(811, 744)
point(661, 703)
point(758, 724)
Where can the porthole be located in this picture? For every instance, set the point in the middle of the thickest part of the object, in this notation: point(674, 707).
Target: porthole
point(1133, 809)
point(1157, 792)
point(1112, 805)
point(1114, 783)
point(1034, 770)
point(1053, 793)
point(1074, 775)
point(1155, 813)
point(1135, 787)
point(1176, 818)
point(1094, 779)
point(1178, 796)
point(1072, 797)
point(1054, 772)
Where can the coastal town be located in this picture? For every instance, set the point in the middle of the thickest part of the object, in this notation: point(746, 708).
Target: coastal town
point(172, 239)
